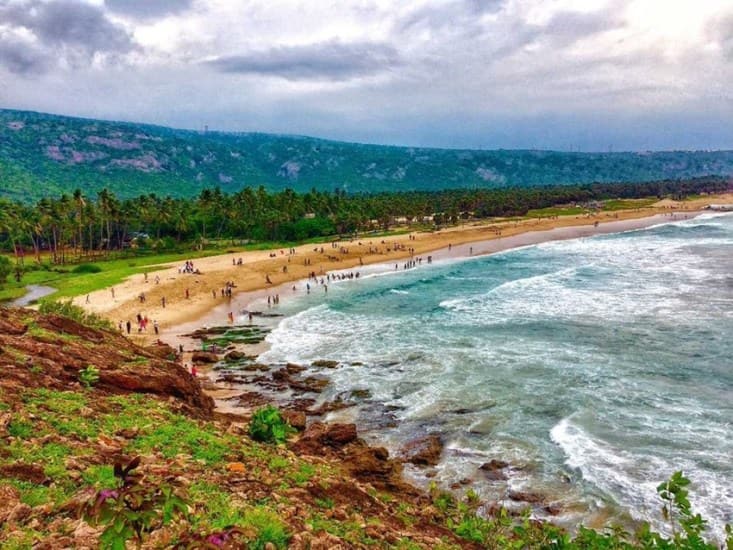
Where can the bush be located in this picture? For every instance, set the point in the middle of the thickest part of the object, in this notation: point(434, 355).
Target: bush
point(67, 309)
point(6, 268)
point(89, 376)
point(87, 268)
point(268, 426)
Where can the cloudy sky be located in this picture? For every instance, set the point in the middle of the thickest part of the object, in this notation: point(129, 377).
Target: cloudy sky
point(550, 74)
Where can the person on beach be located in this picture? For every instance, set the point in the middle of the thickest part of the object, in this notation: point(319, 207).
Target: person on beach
point(267, 279)
point(128, 326)
point(162, 302)
point(230, 316)
point(155, 326)
point(187, 294)
point(194, 372)
point(112, 290)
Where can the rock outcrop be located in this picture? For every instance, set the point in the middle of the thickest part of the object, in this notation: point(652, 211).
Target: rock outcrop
point(51, 351)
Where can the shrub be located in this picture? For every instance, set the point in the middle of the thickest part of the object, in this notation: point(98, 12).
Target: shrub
point(67, 309)
point(89, 376)
point(87, 268)
point(268, 425)
point(6, 268)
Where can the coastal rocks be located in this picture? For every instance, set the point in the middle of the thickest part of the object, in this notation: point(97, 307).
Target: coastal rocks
point(235, 355)
point(373, 465)
point(161, 350)
point(318, 436)
point(424, 451)
point(39, 361)
point(528, 497)
point(325, 363)
point(204, 357)
point(296, 419)
point(494, 469)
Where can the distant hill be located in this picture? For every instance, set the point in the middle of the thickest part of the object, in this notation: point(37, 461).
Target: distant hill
point(42, 154)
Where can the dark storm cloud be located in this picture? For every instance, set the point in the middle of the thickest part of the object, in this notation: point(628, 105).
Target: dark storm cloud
point(324, 60)
point(21, 58)
point(63, 29)
point(148, 9)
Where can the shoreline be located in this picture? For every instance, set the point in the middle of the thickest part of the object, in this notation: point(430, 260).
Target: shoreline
point(121, 302)
point(244, 300)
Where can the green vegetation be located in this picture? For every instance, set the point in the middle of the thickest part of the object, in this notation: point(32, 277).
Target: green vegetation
point(42, 154)
point(89, 376)
point(67, 309)
point(267, 425)
point(134, 500)
point(78, 244)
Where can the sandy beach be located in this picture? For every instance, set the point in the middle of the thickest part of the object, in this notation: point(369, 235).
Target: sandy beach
point(191, 297)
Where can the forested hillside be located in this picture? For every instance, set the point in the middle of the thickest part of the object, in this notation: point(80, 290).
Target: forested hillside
point(42, 155)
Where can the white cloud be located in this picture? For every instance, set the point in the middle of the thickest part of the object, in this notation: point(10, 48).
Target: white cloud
point(440, 72)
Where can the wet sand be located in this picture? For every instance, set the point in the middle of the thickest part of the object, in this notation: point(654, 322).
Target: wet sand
point(183, 314)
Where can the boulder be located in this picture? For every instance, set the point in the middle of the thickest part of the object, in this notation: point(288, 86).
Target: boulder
point(204, 357)
point(296, 419)
point(424, 451)
point(235, 355)
point(320, 437)
point(325, 363)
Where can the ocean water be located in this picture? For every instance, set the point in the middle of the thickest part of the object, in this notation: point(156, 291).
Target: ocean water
point(596, 367)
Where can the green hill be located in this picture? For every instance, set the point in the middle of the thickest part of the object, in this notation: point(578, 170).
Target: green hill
point(42, 154)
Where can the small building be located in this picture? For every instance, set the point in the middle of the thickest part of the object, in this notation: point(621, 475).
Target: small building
point(720, 207)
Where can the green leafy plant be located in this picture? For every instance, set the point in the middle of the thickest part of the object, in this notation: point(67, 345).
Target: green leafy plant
point(133, 508)
point(89, 376)
point(268, 426)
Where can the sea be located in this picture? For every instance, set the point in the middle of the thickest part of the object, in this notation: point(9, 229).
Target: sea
point(595, 367)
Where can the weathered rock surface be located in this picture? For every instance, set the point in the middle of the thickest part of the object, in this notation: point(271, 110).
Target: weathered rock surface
point(60, 348)
point(424, 451)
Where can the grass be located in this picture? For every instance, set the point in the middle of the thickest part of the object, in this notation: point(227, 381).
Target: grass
point(556, 211)
point(613, 205)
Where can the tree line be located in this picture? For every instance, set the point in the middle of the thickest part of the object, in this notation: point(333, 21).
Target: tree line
point(71, 227)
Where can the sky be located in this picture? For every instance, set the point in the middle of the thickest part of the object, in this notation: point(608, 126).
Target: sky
point(588, 75)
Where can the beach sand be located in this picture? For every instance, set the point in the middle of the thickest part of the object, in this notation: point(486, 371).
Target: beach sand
point(183, 314)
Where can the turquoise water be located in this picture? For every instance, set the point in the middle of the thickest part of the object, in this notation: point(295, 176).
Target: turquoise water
point(595, 366)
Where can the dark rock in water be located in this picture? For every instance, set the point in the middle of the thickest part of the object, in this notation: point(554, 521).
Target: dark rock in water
point(424, 451)
point(526, 496)
point(553, 509)
point(493, 465)
point(281, 374)
point(256, 367)
point(496, 475)
point(252, 400)
point(360, 394)
point(465, 481)
point(310, 384)
point(295, 418)
point(494, 470)
point(204, 357)
point(329, 406)
point(325, 363)
point(292, 368)
point(235, 355)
